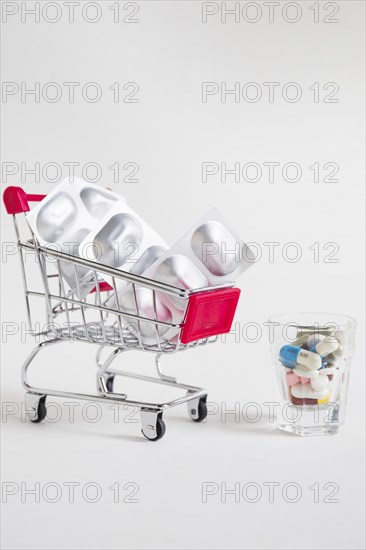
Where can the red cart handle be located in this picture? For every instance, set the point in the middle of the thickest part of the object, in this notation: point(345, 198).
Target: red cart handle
point(16, 200)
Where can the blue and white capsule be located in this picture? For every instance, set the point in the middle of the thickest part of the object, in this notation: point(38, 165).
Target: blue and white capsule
point(290, 356)
point(322, 345)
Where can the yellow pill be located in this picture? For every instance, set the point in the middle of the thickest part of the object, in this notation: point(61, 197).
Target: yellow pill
point(325, 400)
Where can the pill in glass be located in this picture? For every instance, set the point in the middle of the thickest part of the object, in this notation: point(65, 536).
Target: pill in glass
point(324, 346)
point(304, 372)
point(320, 383)
point(306, 391)
point(290, 356)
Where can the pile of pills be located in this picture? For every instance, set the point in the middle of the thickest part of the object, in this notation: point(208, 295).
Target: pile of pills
point(310, 363)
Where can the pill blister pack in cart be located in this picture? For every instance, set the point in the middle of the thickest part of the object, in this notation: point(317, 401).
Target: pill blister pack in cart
point(97, 224)
point(311, 361)
point(211, 253)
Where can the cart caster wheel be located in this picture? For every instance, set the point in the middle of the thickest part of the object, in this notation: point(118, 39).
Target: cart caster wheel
point(36, 409)
point(197, 409)
point(153, 425)
point(41, 411)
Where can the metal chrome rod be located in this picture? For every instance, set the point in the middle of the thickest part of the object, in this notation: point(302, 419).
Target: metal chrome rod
point(119, 273)
point(163, 381)
point(102, 268)
point(104, 308)
point(129, 402)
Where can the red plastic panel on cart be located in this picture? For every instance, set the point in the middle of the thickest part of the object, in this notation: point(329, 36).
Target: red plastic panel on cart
point(209, 314)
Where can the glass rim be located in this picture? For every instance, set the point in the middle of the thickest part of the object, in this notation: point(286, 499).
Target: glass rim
point(346, 320)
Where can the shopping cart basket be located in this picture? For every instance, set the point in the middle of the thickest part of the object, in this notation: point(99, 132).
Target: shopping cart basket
point(208, 312)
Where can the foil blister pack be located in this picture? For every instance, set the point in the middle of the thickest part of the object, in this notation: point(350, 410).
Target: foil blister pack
point(96, 224)
point(210, 254)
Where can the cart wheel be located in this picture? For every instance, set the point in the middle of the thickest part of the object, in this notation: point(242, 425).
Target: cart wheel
point(40, 411)
point(154, 433)
point(197, 409)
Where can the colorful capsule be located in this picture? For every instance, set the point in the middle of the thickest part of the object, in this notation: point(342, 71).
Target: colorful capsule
point(290, 356)
point(322, 345)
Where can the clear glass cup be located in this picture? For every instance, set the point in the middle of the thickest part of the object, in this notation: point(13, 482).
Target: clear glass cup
point(312, 353)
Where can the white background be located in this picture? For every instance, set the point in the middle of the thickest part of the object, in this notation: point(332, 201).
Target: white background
point(169, 133)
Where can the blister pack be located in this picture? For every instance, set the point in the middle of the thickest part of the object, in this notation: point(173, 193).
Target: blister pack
point(64, 218)
point(94, 223)
point(211, 253)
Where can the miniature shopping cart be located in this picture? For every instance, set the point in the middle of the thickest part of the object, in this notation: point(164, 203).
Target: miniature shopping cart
point(99, 319)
